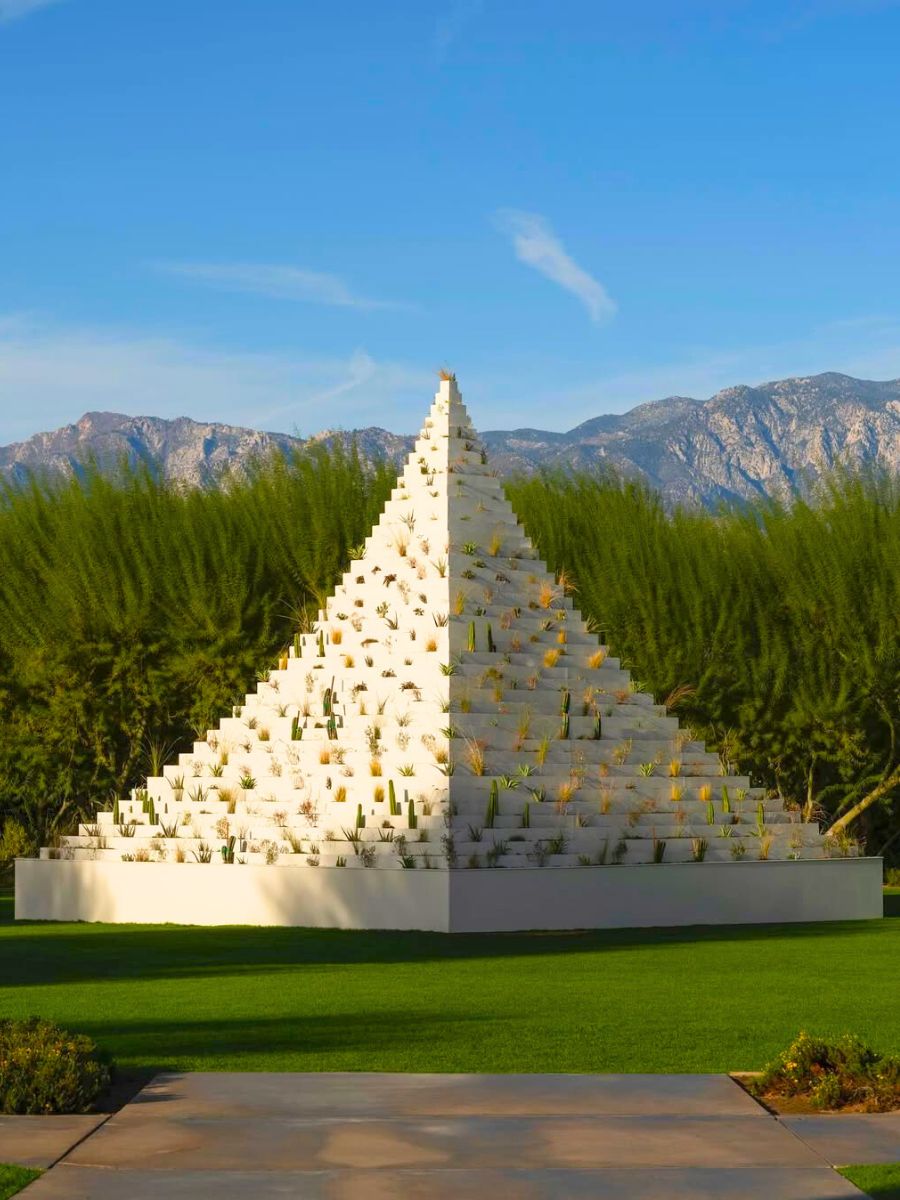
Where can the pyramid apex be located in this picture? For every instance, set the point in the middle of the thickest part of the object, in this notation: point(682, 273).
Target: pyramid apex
point(448, 387)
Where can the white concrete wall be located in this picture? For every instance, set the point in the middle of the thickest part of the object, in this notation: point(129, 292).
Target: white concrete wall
point(461, 901)
point(199, 894)
point(732, 893)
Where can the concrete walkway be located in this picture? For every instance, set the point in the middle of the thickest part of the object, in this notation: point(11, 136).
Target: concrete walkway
point(513, 1137)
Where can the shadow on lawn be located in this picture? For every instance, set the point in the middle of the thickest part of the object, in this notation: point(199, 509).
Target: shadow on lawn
point(34, 953)
point(372, 1040)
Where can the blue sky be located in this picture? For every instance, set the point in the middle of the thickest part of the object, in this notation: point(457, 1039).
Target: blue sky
point(289, 214)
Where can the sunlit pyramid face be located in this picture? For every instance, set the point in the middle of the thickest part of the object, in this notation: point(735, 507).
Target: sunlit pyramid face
point(450, 709)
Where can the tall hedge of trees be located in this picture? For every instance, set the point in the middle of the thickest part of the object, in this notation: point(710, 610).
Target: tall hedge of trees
point(134, 612)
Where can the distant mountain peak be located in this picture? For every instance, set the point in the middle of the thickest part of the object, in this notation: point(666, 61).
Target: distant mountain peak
point(741, 443)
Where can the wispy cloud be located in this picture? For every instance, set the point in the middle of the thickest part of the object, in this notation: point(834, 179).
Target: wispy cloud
point(537, 245)
point(450, 25)
point(12, 10)
point(50, 375)
point(276, 280)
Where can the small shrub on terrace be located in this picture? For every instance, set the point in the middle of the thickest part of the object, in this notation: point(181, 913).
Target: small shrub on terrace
point(833, 1075)
point(44, 1069)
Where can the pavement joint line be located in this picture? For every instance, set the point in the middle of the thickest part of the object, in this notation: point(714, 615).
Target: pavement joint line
point(84, 1137)
point(815, 1150)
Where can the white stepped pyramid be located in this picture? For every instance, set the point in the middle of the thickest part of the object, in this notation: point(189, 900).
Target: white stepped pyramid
point(451, 711)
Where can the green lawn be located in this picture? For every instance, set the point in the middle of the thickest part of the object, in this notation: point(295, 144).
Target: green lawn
point(298, 999)
point(882, 1182)
point(13, 1179)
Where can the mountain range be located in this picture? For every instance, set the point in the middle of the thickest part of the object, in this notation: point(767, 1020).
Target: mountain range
point(743, 442)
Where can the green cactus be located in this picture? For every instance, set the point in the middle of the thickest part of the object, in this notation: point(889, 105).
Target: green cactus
point(321, 644)
point(298, 646)
point(471, 637)
point(331, 727)
point(490, 639)
point(564, 728)
point(760, 816)
point(710, 813)
point(117, 818)
point(565, 701)
point(597, 731)
point(526, 816)
point(296, 730)
point(227, 851)
point(360, 817)
point(493, 805)
point(327, 702)
point(726, 800)
point(393, 806)
point(411, 819)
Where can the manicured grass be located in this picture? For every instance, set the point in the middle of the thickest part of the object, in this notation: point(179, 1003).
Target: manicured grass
point(298, 999)
point(882, 1181)
point(13, 1179)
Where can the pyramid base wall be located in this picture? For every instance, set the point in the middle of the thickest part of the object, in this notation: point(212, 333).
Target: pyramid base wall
point(734, 893)
point(200, 894)
point(457, 901)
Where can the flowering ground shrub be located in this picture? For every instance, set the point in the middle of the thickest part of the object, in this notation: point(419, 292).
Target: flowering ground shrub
point(833, 1075)
point(44, 1069)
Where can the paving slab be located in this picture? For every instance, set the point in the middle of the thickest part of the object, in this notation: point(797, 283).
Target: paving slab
point(41, 1141)
point(459, 1137)
point(484, 1142)
point(67, 1182)
point(845, 1138)
point(368, 1094)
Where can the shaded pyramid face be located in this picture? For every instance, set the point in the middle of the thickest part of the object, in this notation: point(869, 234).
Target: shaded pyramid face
point(450, 708)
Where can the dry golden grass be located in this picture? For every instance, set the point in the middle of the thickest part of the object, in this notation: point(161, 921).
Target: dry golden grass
point(566, 583)
point(596, 659)
point(337, 636)
point(475, 756)
point(551, 658)
point(566, 791)
point(546, 594)
point(324, 755)
point(374, 766)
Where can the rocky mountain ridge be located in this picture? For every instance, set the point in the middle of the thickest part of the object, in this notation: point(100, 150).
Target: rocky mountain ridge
point(742, 443)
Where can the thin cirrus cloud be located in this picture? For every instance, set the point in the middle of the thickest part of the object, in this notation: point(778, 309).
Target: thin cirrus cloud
point(277, 281)
point(536, 245)
point(12, 10)
point(50, 374)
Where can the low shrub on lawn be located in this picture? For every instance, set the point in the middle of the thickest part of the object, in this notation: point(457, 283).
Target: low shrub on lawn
point(44, 1069)
point(832, 1075)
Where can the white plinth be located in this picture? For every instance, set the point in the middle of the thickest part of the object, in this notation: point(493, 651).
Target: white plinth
point(456, 901)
